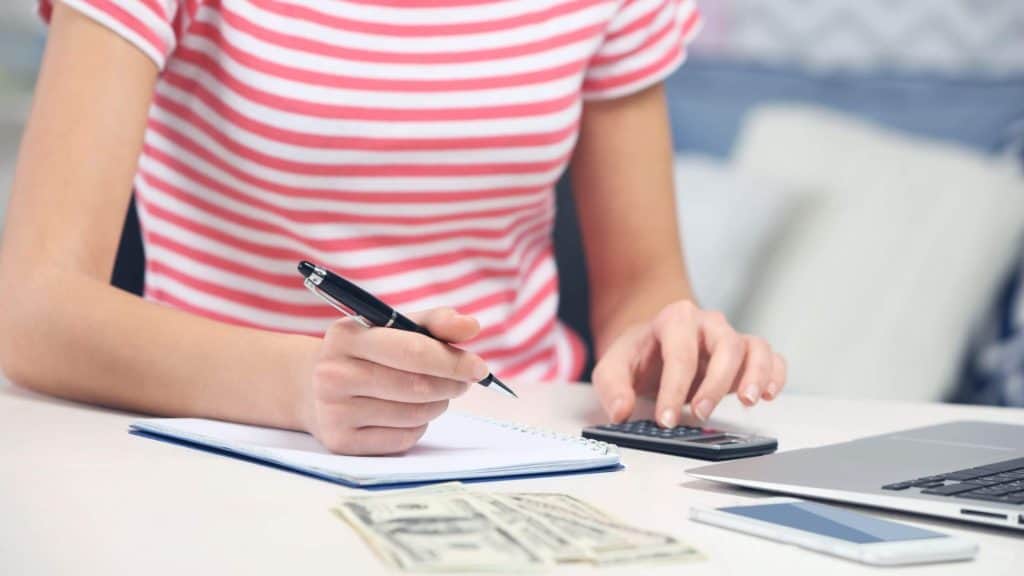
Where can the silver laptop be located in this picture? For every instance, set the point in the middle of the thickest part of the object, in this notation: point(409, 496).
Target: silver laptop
point(970, 471)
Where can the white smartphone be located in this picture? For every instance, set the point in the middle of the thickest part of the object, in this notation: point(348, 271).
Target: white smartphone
point(839, 532)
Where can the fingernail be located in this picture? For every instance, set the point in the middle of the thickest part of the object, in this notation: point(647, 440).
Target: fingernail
point(773, 390)
point(752, 393)
point(613, 412)
point(668, 418)
point(703, 409)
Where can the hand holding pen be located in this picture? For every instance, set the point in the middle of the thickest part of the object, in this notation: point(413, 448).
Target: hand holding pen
point(375, 391)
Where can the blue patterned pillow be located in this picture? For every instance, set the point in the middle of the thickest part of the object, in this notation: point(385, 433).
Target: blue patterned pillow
point(994, 366)
point(709, 98)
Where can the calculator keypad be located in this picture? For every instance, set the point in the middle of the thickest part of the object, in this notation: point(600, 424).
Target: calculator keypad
point(651, 428)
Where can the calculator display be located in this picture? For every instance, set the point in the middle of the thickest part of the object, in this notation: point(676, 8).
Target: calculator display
point(719, 440)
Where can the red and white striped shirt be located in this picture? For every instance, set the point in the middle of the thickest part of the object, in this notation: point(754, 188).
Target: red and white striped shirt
point(410, 145)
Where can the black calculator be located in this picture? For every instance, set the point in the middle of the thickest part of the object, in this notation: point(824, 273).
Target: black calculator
point(689, 441)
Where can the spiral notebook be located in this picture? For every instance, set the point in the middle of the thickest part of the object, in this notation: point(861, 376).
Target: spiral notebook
point(456, 446)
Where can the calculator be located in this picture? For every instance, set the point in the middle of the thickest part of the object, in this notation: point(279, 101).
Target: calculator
point(689, 441)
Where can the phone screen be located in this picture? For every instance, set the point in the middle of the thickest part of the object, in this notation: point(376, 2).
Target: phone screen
point(833, 522)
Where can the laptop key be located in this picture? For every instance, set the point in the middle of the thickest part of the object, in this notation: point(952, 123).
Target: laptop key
point(992, 491)
point(968, 474)
point(1015, 498)
point(950, 489)
point(898, 486)
point(1007, 466)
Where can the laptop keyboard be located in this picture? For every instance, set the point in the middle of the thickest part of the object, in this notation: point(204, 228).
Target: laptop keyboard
point(1000, 482)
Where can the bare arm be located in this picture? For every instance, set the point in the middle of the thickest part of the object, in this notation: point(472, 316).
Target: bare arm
point(623, 187)
point(65, 331)
point(651, 337)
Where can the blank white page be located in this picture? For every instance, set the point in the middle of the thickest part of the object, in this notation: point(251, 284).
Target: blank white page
point(455, 446)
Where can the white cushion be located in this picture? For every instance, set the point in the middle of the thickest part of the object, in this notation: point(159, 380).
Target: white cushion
point(728, 222)
point(873, 292)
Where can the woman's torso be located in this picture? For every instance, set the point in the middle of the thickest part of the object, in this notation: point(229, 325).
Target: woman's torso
point(412, 150)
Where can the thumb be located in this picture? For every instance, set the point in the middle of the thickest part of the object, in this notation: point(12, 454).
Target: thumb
point(613, 381)
point(447, 324)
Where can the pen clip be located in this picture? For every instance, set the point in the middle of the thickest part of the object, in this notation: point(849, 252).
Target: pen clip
point(312, 282)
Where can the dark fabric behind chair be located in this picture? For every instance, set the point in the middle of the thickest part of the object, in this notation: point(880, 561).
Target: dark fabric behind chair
point(130, 265)
point(574, 306)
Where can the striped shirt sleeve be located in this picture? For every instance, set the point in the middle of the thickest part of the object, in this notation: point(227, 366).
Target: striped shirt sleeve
point(645, 42)
point(149, 25)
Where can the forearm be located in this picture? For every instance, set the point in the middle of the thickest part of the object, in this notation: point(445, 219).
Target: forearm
point(623, 185)
point(76, 337)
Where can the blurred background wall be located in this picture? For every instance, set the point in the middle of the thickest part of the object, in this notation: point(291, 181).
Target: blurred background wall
point(848, 179)
point(21, 44)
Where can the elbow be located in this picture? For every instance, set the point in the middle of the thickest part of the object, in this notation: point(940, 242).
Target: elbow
point(13, 367)
point(17, 338)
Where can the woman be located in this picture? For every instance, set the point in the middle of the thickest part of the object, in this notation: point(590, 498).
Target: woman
point(409, 145)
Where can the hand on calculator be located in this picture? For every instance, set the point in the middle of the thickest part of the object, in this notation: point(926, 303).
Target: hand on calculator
point(685, 355)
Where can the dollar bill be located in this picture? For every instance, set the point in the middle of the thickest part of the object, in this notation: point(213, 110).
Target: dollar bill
point(438, 530)
point(608, 540)
point(533, 530)
point(450, 528)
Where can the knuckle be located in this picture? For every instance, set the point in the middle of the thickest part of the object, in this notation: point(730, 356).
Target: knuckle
point(419, 386)
point(338, 330)
point(409, 437)
point(445, 312)
point(437, 408)
point(461, 366)
point(377, 374)
point(459, 388)
point(416, 350)
point(417, 414)
point(716, 318)
point(676, 312)
point(338, 440)
point(327, 377)
point(685, 306)
point(758, 343)
point(600, 375)
point(733, 342)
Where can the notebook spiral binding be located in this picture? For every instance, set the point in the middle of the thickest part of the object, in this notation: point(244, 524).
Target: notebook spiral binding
point(595, 445)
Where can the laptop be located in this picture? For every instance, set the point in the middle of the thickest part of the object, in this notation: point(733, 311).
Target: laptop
point(969, 471)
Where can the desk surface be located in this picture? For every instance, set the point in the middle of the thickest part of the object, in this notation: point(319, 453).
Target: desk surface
point(79, 495)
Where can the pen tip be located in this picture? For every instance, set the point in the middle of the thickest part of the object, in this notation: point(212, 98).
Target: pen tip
point(306, 268)
point(502, 386)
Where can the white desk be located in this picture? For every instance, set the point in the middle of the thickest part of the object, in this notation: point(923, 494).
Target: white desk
point(79, 495)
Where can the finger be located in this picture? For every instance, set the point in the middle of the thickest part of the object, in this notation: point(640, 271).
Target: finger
point(778, 378)
point(447, 324)
point(362, 412)
point(373, 441)
point(676, 329)
point(756, 372)
point(613, 378)
point(726, 350)
point(417, 353)
point(338, 381)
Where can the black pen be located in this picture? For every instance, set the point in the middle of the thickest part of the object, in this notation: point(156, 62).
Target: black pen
point(367, 309)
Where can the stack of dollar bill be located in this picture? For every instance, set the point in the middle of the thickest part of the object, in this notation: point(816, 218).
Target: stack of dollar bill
point(451, 528)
